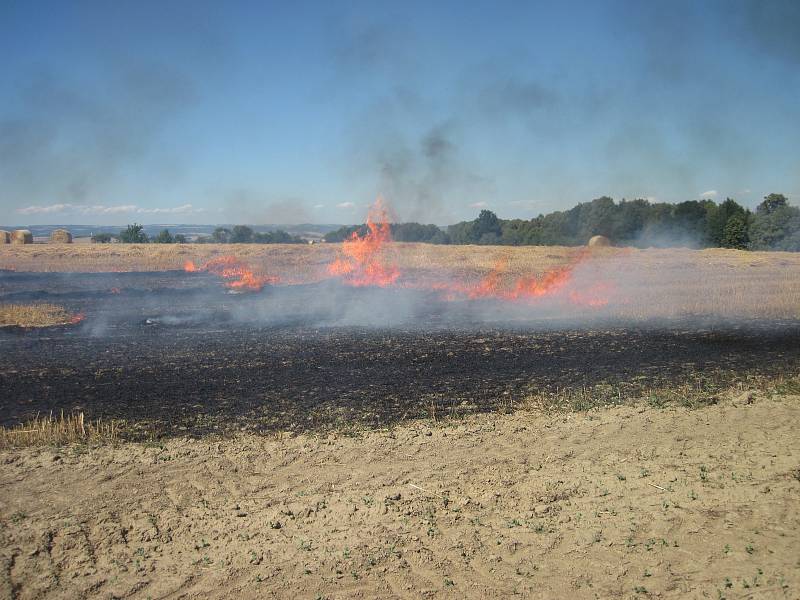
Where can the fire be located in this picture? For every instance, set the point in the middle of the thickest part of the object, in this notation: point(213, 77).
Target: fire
point(239, 275)
point(361, 262)
point(596, 295)
point(490, 285)
point(115, 290)
point(556, 282)
point(75, 319)
point(527, 287)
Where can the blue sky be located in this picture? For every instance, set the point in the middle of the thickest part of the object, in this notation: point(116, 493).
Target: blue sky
point(304, 112)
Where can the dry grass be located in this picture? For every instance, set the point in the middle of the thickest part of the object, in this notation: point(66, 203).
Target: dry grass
point(33, 315)
point(695, 395)
point(651, 283)
point(51, 431)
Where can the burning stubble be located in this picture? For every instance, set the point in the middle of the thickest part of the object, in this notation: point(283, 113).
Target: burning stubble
point(364, 261)
point(373, 281)
point(236, 274)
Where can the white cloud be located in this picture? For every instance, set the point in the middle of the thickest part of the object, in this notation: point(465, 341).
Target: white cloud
point(346, 205)
point(478, 205)
point(709, 194)
point(176, 210)
point(108, 210)
point(319, 206)
point(37, 210)
point(101, 209)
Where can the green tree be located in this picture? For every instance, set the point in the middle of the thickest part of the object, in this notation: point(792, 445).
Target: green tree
point(344, 233)
point(241, 234)
point(772, 203)
point(180, 238)
point(487, 228)
point(718, 217)
point(416, 232)
point(776, 225)
point(277, 237)
point(734, 234)
point(102, 238)
point(597, 218)
point(221, 235)
point(462, 233)
point(690, 221)
point(164, 237)
point(133, 234)
point(630, 220)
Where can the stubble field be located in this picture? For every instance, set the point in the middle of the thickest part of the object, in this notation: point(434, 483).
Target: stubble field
point(315, 439)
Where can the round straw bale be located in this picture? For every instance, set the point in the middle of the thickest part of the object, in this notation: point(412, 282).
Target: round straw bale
point(60, 236)
point(5, 237)
point(22, 236)
point(599, 241)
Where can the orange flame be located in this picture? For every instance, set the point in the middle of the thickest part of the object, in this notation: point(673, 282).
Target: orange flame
point(596, 295)
point(361, 262)
point(115, 290)
point(553, 282)
point(75, 319)
point(231, 268)
point(489, 286)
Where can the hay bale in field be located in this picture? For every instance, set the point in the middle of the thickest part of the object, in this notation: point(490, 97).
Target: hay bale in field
point(60, 236)
point(5, 237)
point(599, 241)
point(22, 236)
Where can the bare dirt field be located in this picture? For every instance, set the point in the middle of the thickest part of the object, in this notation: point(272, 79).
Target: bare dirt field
point(625, 502)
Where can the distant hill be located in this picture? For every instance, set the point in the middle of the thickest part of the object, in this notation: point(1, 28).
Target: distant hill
point(305, 230)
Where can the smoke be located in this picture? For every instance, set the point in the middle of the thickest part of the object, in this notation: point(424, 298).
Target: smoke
point(600, 289)
point(72, 140)
point(769, 27)
point(422, 174)
point(701, 81)
point(667, 237)
point(408, 148)
point(666, 114)
point(416, 144)
point(256, 207)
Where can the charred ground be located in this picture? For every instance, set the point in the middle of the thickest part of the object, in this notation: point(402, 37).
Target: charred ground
point(171, 353)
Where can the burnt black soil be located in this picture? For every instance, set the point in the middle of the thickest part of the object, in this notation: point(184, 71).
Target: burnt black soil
point(176, 353)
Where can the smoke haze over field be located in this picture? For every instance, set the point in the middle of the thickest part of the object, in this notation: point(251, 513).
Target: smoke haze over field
point(304, 113)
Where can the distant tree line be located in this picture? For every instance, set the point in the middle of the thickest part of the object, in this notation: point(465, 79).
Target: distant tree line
point(775, 225)
point(401, 232)
point(134, 234)
point(240, 234)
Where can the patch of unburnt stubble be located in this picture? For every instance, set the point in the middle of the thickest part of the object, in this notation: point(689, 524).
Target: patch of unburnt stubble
point(33, 315)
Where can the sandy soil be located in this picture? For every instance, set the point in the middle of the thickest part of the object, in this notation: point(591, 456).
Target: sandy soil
point(620, 502)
